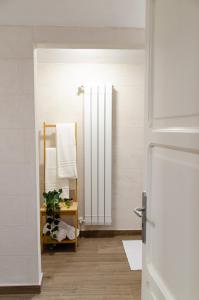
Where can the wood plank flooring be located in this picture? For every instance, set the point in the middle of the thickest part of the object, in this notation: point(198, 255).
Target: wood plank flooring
point(97, 271)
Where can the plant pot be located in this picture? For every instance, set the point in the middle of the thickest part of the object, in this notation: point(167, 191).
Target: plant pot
point(69, 202)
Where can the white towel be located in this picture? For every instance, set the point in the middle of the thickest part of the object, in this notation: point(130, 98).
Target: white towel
point(66, 150)
point(61, 234)
point(64, 231)
point(69, 230)
point(52, 182)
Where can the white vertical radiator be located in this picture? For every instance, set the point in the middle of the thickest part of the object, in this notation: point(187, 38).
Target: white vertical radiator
point(98, 154)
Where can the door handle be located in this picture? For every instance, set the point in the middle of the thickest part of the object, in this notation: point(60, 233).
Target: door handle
point(141, 213)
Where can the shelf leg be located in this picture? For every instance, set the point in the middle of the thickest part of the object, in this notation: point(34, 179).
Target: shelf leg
point(76, 225)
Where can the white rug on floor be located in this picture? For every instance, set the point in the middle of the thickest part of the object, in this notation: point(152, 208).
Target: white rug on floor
point(133, 251)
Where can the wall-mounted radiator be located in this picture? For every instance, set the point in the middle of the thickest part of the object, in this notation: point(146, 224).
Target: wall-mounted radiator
point(97, 153)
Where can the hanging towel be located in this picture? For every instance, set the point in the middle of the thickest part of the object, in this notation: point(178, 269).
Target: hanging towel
point(52, 182)
point(66, 150)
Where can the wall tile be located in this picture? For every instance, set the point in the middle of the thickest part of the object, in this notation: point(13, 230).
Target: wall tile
point(17, 179)
point(12, 146)
point(135, 136)
point(9, 80)
point(16, 76)
point(19, 259)
point(18, 210)
point(16, 42)
point(17, 111)
point(24, 246)
point(26, 75)
point(29, 149)
point(126, 158)
point(19, 269)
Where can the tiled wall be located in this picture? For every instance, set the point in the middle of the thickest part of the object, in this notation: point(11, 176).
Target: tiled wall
point(19, 253)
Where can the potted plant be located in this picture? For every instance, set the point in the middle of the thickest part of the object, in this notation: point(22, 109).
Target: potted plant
point(52, 201)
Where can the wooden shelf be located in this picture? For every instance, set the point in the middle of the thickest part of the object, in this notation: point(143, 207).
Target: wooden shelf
point(49, 240)
point(63, 209)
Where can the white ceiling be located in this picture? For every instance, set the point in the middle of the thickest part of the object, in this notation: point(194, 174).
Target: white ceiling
point(110, 56)
point(81, 13)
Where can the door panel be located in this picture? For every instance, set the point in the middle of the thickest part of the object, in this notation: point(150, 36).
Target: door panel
point(175, 64)
point(175, 178)
point(170, 255)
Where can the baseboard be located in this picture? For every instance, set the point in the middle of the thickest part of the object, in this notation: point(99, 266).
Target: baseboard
point(23, 289)
point(108, 233)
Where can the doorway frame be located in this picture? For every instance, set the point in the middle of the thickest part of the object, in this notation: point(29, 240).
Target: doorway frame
point(62, 38)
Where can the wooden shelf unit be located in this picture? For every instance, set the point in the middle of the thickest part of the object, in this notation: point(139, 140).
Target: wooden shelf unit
point(64, 210)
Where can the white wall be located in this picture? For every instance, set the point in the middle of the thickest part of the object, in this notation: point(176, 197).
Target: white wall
point(19, 246)
point(59, 74)
point(79, 13)
point(19, 214)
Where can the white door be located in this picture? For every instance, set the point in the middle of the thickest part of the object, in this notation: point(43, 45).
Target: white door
point(171, 252)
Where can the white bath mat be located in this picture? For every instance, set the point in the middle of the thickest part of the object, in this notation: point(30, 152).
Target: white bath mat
point(133, 251)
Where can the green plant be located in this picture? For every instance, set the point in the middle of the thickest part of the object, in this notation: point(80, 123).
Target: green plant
point(52, 201)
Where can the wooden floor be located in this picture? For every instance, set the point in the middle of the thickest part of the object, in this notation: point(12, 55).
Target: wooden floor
point(97, 271)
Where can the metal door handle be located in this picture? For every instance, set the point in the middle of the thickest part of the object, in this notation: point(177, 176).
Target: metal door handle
point(139, 211)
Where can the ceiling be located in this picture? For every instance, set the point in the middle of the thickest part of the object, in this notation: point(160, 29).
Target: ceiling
point(73, 13)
